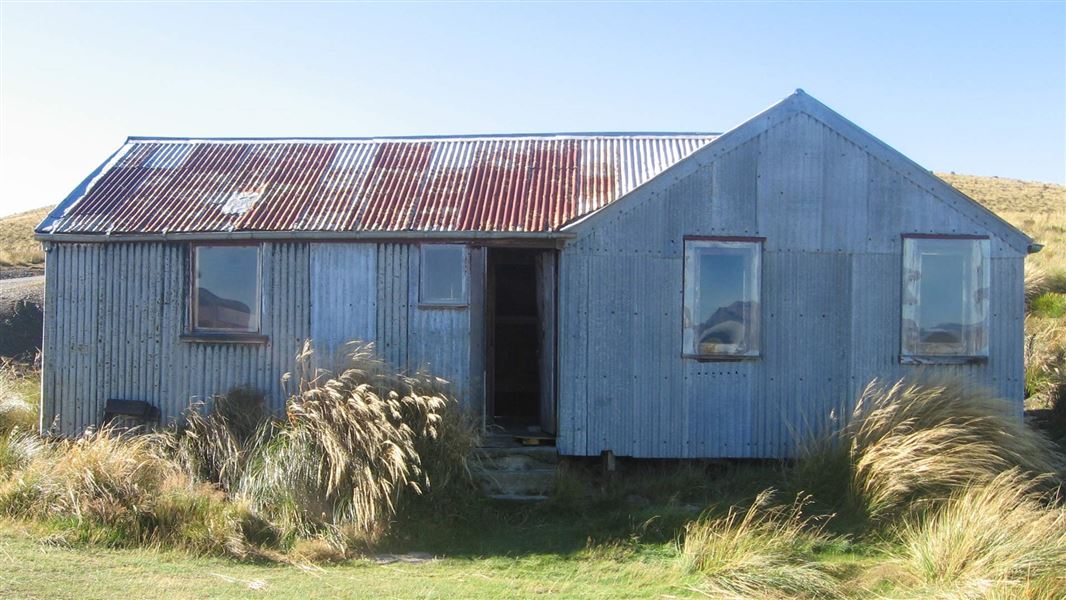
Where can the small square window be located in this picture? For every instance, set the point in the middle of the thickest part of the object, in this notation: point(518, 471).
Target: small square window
point(721, 300)
point(945, 297)
point(225, 289)
point(443, 275)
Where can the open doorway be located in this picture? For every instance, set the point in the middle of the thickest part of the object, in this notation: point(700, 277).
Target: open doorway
point(520, 307)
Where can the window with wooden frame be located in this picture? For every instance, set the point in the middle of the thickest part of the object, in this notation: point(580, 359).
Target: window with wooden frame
point(225, 288)
point(721, 297)
point(946, 286)
point(443, 275)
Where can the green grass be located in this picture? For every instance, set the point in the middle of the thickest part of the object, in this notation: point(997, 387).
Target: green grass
point(1050, 306)
point(36, 569)
point(17, 246)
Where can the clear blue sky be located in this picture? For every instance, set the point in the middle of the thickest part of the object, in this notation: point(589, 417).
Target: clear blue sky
point(965, 87)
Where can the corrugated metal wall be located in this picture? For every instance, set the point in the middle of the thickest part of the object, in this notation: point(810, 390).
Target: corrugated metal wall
point(115, 312)
point(832, 216)
point(344, 298)
point(114, 316)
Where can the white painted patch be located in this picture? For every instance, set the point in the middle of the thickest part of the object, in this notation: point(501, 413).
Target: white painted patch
point(239, 203)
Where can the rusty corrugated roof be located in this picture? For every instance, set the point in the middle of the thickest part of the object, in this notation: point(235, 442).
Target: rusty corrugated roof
point(528, 183)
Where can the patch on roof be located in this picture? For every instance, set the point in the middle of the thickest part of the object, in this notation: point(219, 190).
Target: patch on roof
point(239, 202)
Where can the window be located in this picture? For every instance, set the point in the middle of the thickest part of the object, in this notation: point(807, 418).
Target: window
point(945, 297)
point(443, 275)
point(721, 305)
point(225, 289)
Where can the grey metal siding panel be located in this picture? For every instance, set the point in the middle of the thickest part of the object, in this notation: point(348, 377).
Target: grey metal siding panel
point(477, 345)
point(573, 352)
point(790, 184)
point(392, 303)
point(48, 342)
point(343, 296)
point(833, 216)
point(116, 313)
point(438, 339)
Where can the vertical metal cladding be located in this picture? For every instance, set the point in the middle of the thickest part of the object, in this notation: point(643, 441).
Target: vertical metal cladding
point(344, 299)
point(116, 313)
point(115, 316)
point(494, 183)
point(370, 292)
point(830, 311)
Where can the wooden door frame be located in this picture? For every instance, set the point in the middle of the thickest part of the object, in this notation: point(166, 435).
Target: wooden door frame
point(488, 335)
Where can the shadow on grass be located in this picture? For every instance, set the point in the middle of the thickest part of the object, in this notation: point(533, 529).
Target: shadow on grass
point(641, 508)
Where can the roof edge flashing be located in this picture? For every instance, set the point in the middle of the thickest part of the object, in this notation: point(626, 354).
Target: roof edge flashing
point(335, 236)
point(134, 139)
point(80, 191)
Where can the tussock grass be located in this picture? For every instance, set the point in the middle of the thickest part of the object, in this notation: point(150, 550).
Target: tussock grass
point(19, 396)
point(1005, 538)
point(18, 449)
point(216, 446)
point(765, 551)
point(353, 448)
point(1045, 360)
point(120, 490)
point(910, 444)
point(236, 481)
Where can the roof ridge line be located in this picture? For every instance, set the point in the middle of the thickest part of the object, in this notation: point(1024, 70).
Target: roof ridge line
point(435, 137)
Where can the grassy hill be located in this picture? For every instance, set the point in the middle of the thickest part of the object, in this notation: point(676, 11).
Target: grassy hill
point(1010, 195)
point(17, 246)
point(1038, 209)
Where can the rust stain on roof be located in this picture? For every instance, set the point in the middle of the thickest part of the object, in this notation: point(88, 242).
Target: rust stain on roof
point(492, 183)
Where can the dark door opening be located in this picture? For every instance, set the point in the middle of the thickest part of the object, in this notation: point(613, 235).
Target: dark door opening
point(518, 336)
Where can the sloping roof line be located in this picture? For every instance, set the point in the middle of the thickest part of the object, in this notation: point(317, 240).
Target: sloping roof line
point(801, 102)
point(416, 138)
point(498, 183)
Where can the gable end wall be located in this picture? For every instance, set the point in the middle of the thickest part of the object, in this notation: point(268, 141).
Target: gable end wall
point(832, 214)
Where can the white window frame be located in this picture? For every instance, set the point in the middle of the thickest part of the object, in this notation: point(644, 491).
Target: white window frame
point(694, 247)
point(194, 300)
point(464, 299)
point(975, 292)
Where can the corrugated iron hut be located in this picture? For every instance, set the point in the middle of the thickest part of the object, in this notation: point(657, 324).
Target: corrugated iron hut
point(652, 295)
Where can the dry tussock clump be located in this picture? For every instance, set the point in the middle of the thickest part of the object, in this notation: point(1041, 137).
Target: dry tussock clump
point(910, 444)
point(100, 474)
point(18, 449)
point(353, 445)
point(911, 441)
point(1002, 539)
point(121, 489)
point(216, 446)
point(16, 409)
point(1045, 359)
point(765, 551)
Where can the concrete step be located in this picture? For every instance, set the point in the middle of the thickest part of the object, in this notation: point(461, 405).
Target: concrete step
point(513, 459)
point(517, 440)
point(525, 482)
